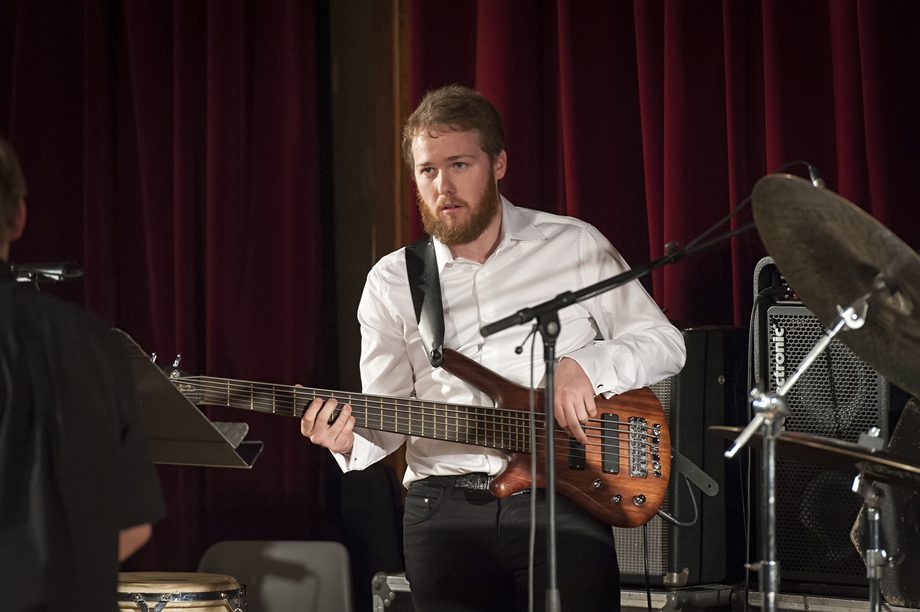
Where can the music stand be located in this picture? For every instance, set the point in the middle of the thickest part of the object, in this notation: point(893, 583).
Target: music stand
point(178, 432)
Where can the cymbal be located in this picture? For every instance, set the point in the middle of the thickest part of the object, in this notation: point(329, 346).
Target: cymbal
point(838, 455)
point(832, 253)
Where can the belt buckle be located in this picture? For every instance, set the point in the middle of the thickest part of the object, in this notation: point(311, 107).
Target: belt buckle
point(475, 482)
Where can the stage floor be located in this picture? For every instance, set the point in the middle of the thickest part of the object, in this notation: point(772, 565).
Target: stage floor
point(723, 598)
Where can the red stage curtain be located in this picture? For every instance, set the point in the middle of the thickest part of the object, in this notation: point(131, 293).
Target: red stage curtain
point(175, 149)
point(653, 120)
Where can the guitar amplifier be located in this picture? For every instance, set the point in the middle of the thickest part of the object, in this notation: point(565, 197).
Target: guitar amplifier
point(710, 390)
point(839, 397)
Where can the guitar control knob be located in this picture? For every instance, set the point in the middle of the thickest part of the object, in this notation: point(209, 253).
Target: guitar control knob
point(616, 498)
point(598, 483)
point(639, 500)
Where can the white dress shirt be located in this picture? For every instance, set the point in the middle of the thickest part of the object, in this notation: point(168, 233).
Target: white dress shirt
point(620, 338)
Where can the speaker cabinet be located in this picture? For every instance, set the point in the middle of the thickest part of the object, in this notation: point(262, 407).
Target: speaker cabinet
point(708, 391)
point(839, 396)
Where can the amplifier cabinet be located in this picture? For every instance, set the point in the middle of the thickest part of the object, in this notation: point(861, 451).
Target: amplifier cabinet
point(708, 391)
point(839, 396)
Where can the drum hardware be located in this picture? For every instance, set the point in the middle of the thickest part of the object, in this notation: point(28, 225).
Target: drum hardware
point(871, 463)
point(838, 455)
point(875, 556)
point(829, 250)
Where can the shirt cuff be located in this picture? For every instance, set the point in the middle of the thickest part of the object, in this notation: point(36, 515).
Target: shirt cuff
point(595, 361)
point(358, 458)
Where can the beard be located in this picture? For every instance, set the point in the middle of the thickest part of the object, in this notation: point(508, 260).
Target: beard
point(453, 234)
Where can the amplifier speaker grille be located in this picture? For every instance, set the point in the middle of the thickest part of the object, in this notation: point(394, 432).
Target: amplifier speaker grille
point(630, 542)
point(839, 396)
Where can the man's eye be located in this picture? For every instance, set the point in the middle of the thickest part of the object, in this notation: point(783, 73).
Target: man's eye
point(426, 171)
point(460, 165)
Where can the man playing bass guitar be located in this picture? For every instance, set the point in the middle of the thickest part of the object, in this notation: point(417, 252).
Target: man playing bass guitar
point(466, 549)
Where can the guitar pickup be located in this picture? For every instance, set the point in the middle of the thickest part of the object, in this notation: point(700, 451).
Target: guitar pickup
point(610, 443)
point(577, 459)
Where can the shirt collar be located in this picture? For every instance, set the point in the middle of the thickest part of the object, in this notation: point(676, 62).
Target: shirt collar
point(516, 226)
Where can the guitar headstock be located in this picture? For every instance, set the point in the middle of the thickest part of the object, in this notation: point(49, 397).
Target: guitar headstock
point(172, 372)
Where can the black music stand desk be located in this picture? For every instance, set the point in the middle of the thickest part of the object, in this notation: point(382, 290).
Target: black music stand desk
point(178, 432)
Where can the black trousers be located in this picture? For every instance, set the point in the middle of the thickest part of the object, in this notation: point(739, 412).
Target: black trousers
point(468, 551)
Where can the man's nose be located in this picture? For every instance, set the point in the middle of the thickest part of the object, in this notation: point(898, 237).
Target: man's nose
point(445, 185)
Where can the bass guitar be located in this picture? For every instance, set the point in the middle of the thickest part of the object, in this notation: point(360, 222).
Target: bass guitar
point(619, 477)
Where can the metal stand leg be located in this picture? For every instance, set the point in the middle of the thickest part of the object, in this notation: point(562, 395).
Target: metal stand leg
point(768, 576)
point(876, 558)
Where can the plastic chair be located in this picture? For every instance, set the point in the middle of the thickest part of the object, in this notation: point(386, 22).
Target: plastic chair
point(285, 576)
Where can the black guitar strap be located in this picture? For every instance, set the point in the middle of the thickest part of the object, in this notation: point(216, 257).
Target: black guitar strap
point(425, 285)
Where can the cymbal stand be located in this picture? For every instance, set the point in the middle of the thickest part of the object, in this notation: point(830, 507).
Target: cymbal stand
point(875, 556)
point(770, 411)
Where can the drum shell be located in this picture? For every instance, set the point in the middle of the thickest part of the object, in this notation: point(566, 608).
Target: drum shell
point(202, 592)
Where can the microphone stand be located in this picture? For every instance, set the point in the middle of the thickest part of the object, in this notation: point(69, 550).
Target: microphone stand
point(546, 315)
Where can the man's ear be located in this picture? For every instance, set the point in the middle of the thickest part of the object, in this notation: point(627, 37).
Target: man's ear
point(500, 165)
point(19, 222)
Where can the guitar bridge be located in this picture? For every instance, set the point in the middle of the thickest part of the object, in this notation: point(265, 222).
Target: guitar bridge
point(638, 447)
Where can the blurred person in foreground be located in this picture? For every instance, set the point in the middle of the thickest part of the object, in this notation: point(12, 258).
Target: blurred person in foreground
point(78, 491)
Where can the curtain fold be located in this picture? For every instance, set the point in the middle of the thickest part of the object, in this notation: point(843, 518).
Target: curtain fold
point(174, 149)
point(657, 118)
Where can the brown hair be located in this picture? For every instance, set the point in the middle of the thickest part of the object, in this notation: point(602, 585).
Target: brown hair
point(455, 108)
point(12, 188)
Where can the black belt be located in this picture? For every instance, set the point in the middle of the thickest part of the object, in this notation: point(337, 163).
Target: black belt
point(477, 481)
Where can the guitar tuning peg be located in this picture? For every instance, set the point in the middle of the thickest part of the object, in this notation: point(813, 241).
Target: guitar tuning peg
point(174, 371)
point(153, 357)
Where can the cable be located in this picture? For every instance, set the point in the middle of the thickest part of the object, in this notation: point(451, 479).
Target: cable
point(746, 502)
point(532, 425)
point(648, 579)
point(696, 511)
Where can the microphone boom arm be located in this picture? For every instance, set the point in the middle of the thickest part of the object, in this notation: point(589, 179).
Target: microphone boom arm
point(567, 298)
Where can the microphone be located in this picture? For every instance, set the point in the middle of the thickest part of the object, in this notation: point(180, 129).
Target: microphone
point(51, 271)
point(815, 177)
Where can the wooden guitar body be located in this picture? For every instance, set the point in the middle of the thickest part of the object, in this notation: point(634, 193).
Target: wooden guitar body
point(625, 494)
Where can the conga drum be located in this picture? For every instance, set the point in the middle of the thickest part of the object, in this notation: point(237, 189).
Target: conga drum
point(156, 591)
